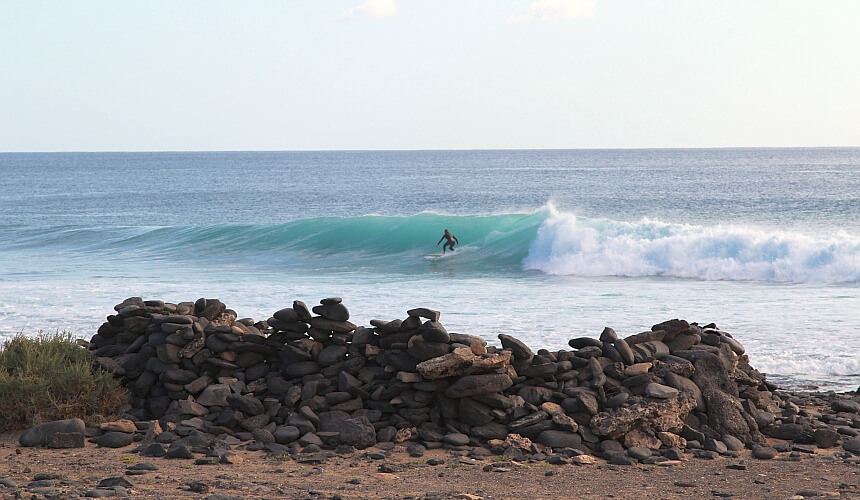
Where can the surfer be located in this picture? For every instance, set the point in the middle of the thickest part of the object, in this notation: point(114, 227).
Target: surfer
point(451, 240)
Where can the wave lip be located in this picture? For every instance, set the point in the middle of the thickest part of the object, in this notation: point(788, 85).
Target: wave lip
point(569, 245)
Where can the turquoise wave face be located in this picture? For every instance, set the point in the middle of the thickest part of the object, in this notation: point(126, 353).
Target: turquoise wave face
point(370, 243)
point(546, 242)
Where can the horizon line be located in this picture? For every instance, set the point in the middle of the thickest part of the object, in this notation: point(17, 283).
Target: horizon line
point(667, 148)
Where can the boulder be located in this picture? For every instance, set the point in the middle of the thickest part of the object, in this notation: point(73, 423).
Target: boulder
point(40, 434)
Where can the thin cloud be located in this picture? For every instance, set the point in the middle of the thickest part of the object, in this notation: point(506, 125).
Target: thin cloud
point(372, 8)
point(557, 10)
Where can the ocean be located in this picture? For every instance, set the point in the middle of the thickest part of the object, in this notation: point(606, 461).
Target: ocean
point(553, 244)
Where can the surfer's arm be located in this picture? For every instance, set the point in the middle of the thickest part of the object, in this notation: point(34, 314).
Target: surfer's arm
point(455, 239)
point(440, 241)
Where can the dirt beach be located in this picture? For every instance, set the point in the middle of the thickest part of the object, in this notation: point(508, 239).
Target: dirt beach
point(44, 473)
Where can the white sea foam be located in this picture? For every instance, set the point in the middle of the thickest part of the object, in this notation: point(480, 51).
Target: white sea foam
point(570, 245)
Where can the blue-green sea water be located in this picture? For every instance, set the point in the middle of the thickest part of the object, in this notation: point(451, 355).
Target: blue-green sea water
point(554, 244)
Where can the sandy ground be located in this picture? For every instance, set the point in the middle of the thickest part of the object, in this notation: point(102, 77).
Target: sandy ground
point(70, 473)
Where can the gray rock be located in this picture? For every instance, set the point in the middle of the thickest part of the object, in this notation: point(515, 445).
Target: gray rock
point(660, 391)
point(608, 335)
point(826, 438)
point(263, 436)
point(423, 312)
point(456, 439)
point(325, 324)
point(582, 342)
point(639, 452)
point(154, 450)
point(334, 312)
point(179, 450)
point(474, 413)
point(302, 310)
point(332, 354)
point(114, 439)
point(685, 384)
point(415, 450)
point(625, 351)
point(247, 405)
point(519, 350)
point(732, 443)
point(214, 395)
point(433, 331)
point(764, 452)
point(66, 440)
point(852, 445)
point(559, 439)
point(39, 435)
point(845, 405)
point(423, 350)
point(286, 434)
point(649, 351)
point(641, 338)
point(358, 432)
point(473, 385)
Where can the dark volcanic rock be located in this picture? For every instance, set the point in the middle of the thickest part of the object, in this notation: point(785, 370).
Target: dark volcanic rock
point(358, 432)
point(114, 439)
point(473, 385)
point(725, 412)
point(40, 434)
point(334, 312)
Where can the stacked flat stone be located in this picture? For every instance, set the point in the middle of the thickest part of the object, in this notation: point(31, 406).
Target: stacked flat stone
point(307, 379)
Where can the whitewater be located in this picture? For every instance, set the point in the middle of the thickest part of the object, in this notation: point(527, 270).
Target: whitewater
point(554, 244)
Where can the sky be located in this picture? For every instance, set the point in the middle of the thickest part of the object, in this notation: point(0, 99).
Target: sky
point(168, 75)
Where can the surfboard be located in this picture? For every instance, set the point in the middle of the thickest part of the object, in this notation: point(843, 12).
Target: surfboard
point(434, 255)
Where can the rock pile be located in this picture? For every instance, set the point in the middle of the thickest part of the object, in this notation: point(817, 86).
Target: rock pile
point(307, 379)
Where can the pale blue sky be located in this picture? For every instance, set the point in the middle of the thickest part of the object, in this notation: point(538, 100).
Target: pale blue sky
point(407, 74)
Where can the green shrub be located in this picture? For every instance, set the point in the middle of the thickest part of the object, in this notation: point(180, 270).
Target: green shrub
point(51, 377)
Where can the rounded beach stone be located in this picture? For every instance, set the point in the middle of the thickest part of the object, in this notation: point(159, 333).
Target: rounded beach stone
point(473, 385)
point(358, 432)
point(826, 438)
point(433, 331)
point(178, 450)
point(301, 309)
point(764, 452)
point(660, 391)
point(246, 405)
point(456, 439)
point(423, 312)
point(416, 450)
point(286, 434)
point(39, 435)
point(608, 335)
point(332, 354)
point(519, 350)
point(845, 405)
point(852, 445)
point(559, 439)
point(732, 443)
point(114, 439)
point(334, 312)
point(581, 342)
point(625, 351)
point(616, 400)
point(639, 452)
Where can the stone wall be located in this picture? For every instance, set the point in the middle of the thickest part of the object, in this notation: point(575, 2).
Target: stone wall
point(310, 379)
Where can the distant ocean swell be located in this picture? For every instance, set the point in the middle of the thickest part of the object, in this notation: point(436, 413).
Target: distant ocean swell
point(547, 241)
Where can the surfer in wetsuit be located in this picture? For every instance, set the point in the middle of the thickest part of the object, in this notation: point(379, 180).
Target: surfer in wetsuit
point(451, 240)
